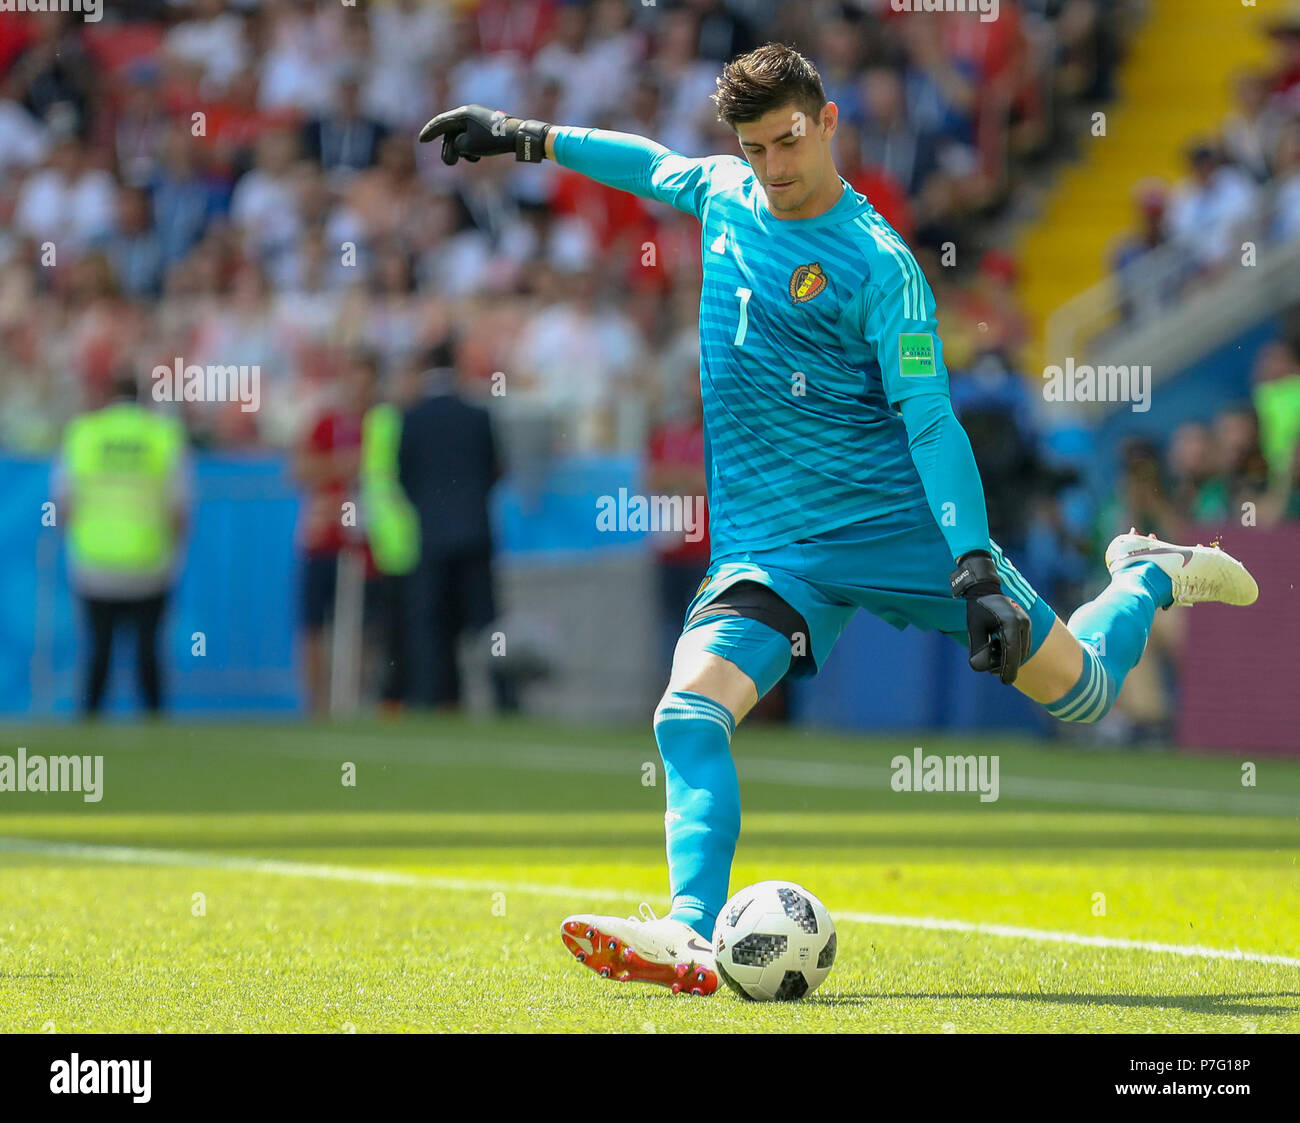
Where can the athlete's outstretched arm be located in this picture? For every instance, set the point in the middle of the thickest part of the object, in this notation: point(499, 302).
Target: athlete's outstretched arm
point(633, 163)
point(621, 160)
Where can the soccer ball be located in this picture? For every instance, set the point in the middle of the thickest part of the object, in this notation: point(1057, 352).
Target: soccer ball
point(774, 940)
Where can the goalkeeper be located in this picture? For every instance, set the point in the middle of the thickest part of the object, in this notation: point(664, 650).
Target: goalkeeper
point(839, 478)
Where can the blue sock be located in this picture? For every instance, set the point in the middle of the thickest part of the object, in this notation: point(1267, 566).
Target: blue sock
point(703, 818)
point(1113, 630)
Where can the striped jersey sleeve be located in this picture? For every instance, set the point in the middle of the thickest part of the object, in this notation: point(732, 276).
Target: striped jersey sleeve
point(892, 315)
point(644, 167)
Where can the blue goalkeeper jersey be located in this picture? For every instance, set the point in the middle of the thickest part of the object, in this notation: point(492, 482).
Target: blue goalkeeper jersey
point(811, 331)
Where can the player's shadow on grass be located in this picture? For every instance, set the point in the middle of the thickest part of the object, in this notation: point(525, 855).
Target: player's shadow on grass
point(1225, 1004)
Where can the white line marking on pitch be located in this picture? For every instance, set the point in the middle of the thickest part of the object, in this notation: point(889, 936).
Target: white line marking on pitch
point(148, 856)
point(143, 855)
point(1011, 932)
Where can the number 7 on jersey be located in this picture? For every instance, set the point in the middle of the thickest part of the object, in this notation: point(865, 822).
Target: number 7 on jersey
point(743, 326)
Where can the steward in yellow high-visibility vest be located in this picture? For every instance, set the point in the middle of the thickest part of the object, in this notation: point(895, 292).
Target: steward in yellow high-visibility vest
point(393, 531)
point(123, 489)
point(392, 524)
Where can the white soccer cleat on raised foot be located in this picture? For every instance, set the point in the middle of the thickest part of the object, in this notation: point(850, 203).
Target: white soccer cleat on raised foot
point(643, 950)
point(1199, 573)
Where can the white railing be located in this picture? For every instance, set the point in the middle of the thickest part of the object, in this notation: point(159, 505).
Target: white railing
point(1133, 298)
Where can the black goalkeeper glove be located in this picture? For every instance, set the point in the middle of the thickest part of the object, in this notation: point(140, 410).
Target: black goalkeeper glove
point(475, 130)
point(998, 628)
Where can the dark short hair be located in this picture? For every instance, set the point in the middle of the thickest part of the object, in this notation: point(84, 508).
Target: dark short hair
point(765, 79)
point(440, 355)
point(124, 384)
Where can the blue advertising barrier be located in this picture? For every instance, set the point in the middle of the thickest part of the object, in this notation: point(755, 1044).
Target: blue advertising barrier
point(229, 629)
point(236, 603)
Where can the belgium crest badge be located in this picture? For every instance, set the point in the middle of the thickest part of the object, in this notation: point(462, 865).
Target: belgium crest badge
point(806, 282)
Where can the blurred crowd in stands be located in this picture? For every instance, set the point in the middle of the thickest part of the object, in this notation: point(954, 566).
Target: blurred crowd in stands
point(226, 182)
point(1242, 184)
point(238, 183)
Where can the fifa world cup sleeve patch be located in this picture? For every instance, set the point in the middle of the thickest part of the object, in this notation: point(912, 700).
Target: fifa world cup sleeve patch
point(916, 354)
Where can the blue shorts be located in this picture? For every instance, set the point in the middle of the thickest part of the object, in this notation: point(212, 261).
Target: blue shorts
point(895, 570)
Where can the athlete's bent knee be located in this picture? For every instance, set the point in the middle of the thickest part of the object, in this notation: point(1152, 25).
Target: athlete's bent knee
point(706, 673)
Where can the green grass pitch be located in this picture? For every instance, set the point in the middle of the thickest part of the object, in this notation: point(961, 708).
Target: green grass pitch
point(428, 896)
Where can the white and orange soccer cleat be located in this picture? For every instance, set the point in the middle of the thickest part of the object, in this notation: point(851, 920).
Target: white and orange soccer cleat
point(1198, 573)
point(643, 950)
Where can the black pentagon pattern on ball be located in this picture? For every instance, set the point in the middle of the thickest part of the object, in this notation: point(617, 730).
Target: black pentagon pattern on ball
point(827, 956)
point(733, 984)
point(758, 950)
point(793, 986)
point(799, 909)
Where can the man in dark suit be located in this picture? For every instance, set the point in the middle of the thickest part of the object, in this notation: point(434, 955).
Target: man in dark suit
point(447, 463)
